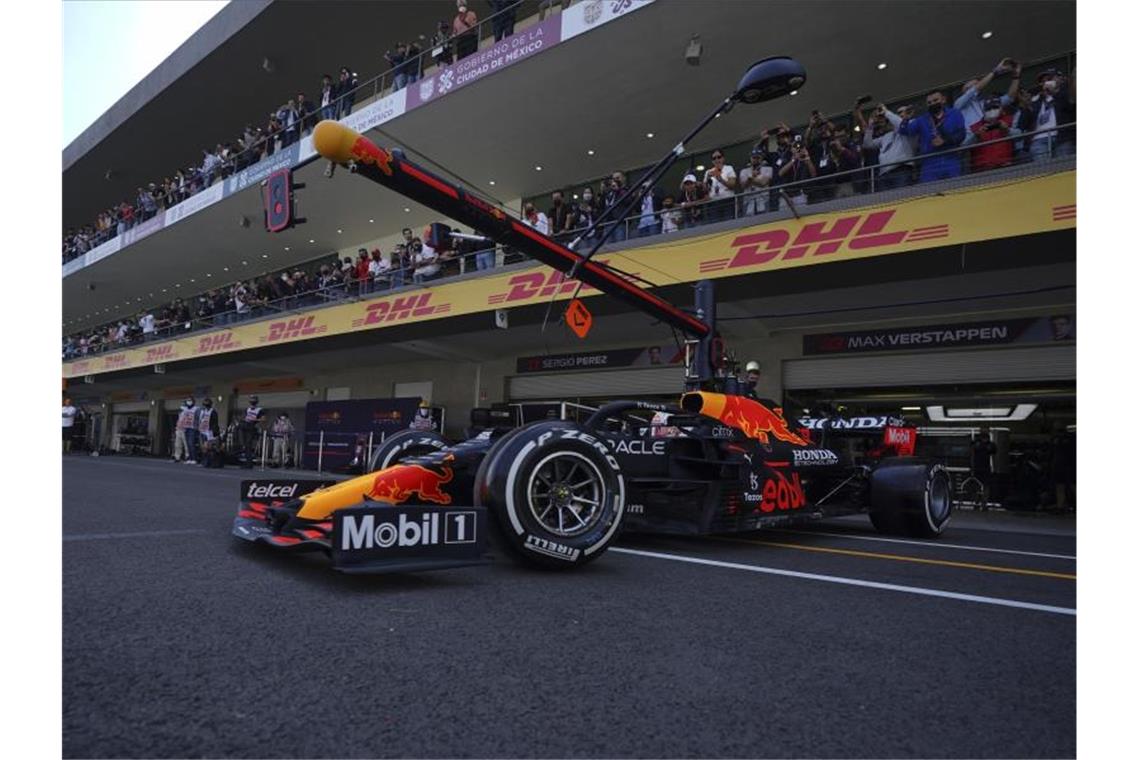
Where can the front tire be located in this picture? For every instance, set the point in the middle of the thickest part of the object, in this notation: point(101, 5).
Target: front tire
point(910, 497)
point(556, 492)
point(403, 445)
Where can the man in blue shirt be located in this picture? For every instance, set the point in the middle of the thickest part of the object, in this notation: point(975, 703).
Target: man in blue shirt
point(941, 128)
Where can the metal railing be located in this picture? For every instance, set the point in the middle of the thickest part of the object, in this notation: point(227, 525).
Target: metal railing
point(447, 264)
point(857, 183)
point(439, 52)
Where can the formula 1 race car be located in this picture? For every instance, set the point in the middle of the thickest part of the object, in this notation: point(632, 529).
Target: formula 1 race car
point(559, 492)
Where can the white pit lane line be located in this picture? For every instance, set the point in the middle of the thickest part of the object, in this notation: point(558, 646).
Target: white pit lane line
point(927, 544)
point(140, 534)
point(852, 582)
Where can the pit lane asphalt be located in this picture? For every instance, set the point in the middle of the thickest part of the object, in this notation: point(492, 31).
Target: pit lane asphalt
point(181, 641)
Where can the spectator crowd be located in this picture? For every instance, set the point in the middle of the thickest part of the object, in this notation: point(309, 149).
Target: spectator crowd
point(871, 149)
point(874, 148)
point(287, 124)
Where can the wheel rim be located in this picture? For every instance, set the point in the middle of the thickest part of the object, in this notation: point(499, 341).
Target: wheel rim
point(939, 500)
point(565, 494)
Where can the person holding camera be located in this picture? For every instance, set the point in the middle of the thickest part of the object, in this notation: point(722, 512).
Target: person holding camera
point(692, 202)
point(611, 191)
point(720, 181)
point(939, 130)
point(1053, 104)
point(895, 151)
point(995, 125)
point(796, 169)
point(971, 102)
point(399, 63)
point(649, 223)
point(753, 178)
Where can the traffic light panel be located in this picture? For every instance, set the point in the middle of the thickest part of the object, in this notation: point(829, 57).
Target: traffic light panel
point(280, 204)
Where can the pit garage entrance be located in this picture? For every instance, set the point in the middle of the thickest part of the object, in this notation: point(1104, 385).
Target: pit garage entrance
point(1023, 398)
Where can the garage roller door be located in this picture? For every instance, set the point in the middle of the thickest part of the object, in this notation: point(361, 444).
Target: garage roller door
point(934, 368)
point(623, 382)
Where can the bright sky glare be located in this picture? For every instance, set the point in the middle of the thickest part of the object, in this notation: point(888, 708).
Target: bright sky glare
point(109, 46)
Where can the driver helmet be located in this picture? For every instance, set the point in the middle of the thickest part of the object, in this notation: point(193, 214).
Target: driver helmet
point(660, 427)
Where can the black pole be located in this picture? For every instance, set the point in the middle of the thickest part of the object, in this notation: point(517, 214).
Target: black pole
point(705, 358)
point(634, 194)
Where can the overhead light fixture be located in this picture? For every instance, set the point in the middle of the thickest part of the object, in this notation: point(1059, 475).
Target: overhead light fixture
point(245, 263)
point(313, 241)
point(266, 255)
point(339, 232)
point(912, 408)
point(372, 221)
point(538, 168)
point(649, 135)
point(1016, 413)
point(882, 66)
point(209, 275)
point(590, 152)
point(693, 51)
point(794, 92)
point(225, 269)
point(987, 35)
point(407, 210)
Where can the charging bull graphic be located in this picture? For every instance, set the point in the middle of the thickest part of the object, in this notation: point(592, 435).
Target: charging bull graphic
point(401, 482)
point(750, 417)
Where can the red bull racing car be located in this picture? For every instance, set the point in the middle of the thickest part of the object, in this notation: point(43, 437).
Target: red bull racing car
point(557, 493)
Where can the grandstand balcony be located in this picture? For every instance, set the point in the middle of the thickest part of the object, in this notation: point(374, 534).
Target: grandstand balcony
point(502, 128)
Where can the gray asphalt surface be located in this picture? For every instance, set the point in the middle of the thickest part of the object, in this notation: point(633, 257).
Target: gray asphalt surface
point(180, 641)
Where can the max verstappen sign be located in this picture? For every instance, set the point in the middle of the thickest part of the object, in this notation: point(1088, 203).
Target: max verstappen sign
point(1059, 327)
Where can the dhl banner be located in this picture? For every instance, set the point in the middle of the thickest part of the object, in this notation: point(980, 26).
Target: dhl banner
point(1020, 207)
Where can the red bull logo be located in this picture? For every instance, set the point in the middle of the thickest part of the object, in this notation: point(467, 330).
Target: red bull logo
point(746, 415)
point(367, 152)
point(401, 482)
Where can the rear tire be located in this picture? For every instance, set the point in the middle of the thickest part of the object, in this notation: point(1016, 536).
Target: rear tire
point(555, 492)
point(409, 443)
point(910, 497)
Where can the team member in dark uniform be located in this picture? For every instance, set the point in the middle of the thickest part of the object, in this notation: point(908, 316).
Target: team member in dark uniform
point(751, 378)
point(248, 429)
point(981, 453)
point(208, 433)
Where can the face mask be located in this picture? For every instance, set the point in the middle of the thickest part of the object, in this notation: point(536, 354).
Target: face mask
point(993, 113)
point(1050, 85)
point(588, 196)
point(934, 109)
point(557, 201)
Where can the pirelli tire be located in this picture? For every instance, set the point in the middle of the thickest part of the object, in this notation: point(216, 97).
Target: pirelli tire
point(910, 496)
point(409, 443)
point(555, 493)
